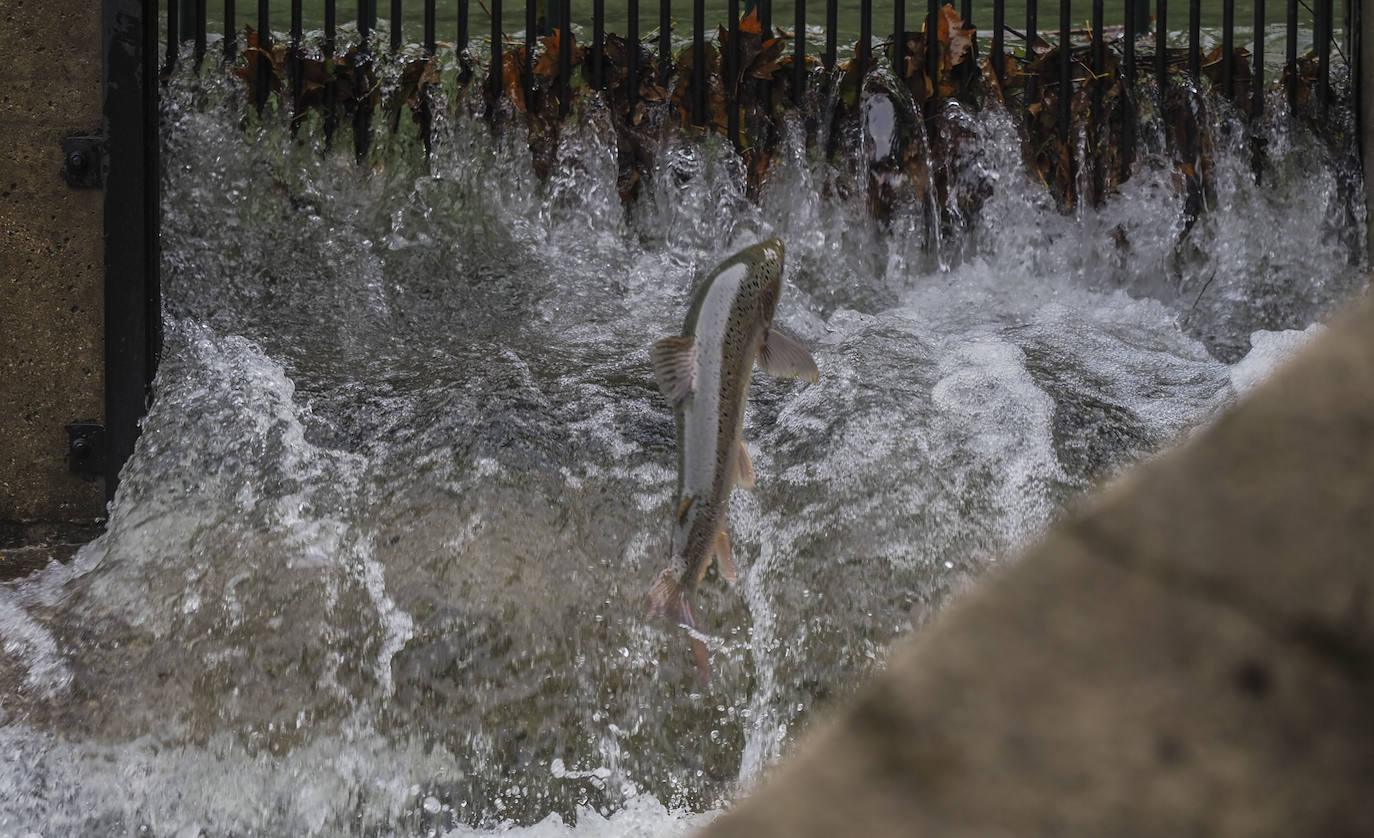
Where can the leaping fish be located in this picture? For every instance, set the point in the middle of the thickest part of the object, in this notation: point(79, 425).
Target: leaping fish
point(705, 375)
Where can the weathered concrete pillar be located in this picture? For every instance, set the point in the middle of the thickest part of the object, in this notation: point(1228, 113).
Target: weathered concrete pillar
point(51, 256)
point(1192, 654)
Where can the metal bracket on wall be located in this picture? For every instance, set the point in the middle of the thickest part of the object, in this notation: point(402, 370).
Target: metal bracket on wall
point(84, 162)
point(86, 449)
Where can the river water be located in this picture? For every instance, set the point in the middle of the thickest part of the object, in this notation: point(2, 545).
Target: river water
point(377, 566)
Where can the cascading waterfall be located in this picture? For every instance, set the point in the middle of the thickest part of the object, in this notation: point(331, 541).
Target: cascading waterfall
point(378, 563)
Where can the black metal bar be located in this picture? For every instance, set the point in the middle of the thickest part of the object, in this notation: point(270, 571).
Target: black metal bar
point(798, 52)
point(1257, 71)
point(263, 80)
point(1031, 25)
point(1131, 33)
point(1099, 117)
point(665, 41)
point(201, 14)
point(431, 27)
point(1321, 44)
point(362, 113)
point(496, 82)
point(297, 64)
point(1065, 68)
point(865, 35)
point(598, 42)
point(331, 88)
point(173, 35)
point(230, 36)
point(1291, 55)
point(532, 46)
point(832, 26)
point(1228, 44)
point(1162, 51)
point(461, 43)
point(765, 17)
point(899, 37)
point(966, 12)
point(133, 321)
point(999, 23)
point(732, 52)
point(699, 62)
point(1099, 48)
point(632, 60)
point(932, 52)
point(1195, 40)
point(564, 58)
point(395, 26)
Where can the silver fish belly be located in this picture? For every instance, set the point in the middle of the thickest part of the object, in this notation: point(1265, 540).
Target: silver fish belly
point(705, 375)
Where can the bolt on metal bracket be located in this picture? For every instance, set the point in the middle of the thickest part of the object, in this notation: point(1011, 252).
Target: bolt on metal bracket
point(86, 449)
point(84, 162)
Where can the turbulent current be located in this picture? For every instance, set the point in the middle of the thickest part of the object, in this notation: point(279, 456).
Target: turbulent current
point(378, 564)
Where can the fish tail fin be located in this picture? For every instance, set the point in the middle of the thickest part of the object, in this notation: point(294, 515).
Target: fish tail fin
point(668, 599)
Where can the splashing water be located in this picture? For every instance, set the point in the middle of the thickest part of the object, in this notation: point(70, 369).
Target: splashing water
point(377, 565)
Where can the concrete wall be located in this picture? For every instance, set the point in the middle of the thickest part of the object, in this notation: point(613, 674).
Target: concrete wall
point(1191, 654)
point(51, 257)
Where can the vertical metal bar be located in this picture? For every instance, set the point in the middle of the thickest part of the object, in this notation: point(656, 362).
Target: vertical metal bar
point(230, 36)
point(966, 12)
point(1099, 118)
point(395, 26)
point(564, 57)
point(1291, 55)
point(598, 42)
point(732, 53)
point(632, 61)
point(865, 35)
point(461, 43)
point(496, 81)
point(665, 42)
point(932, 50)
point(1065, 69)
point(1162, 50)
point(173, 35)
point(264, 62)
point(1195, 40)
point(1257, 71)
point(798, 52)
point(297, 71)
point(765, 17)
point(1099, 48)
point(699, 62)
point(431, 27)
point(1031, 35)
point(133, 320)
point(999, 22)
point(362, 114)
point(331, 88)
point(832, 14)
point(532, 45)
point(1228, 44)
point(899, 37)
point(1131, 34)
point(201, 14)
point(1322, 46)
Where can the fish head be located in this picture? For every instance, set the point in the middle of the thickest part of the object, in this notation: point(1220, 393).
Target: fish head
point(765, 275)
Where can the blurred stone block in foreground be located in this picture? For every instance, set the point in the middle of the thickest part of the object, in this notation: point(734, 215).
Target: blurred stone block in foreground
point(1190, 654)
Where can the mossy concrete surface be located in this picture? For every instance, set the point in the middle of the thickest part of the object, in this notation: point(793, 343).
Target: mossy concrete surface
point(51, 261)
point(1192, 653)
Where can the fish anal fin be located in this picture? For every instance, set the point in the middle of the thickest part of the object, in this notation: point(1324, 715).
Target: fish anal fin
point(784, 357)
point(744, 469)
point(724, 560)
point(675, 366)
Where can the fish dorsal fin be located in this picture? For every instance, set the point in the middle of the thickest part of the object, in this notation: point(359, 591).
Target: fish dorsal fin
point(725, 562)
point(675, 367)
point(744, 469)
point(784, 357)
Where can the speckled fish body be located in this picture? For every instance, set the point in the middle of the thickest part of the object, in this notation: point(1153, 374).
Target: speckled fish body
point(705, 374)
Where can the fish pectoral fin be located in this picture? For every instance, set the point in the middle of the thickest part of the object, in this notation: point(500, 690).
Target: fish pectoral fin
point(724, 560)
point(668, 599)
point(744, 469)
point(784, 357)
point(675, 366)
point(682, 507)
